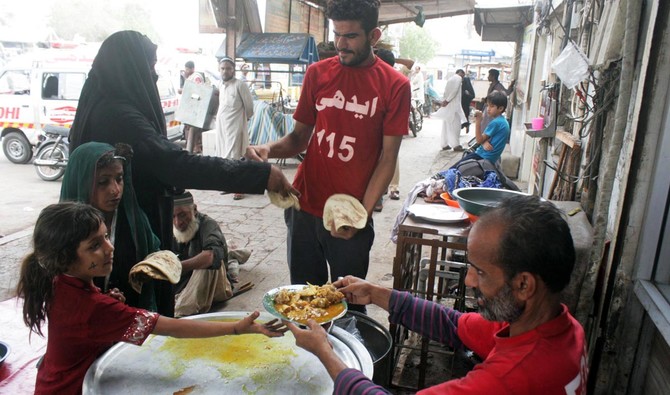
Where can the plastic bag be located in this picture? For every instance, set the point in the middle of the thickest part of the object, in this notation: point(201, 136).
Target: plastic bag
point(348, 323)
point(571, 66)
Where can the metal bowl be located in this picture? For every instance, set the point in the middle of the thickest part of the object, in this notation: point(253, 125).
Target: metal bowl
point(4, 351)
point(477, 200)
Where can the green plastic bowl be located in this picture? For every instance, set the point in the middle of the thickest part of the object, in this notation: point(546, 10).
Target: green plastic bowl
point(477, 200)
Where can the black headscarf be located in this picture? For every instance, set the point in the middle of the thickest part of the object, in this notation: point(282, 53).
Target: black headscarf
point(123, 71)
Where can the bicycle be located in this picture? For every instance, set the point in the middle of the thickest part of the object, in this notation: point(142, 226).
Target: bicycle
point(415, 119)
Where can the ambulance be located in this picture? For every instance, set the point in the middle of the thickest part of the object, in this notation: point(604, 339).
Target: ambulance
point(43, 89)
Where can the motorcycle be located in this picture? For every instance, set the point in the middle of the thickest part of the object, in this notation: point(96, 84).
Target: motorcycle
point(53, 153)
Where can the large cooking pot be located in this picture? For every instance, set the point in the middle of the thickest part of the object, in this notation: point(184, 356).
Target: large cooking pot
point(476, 200)
point(222, 365)
point(375, 338)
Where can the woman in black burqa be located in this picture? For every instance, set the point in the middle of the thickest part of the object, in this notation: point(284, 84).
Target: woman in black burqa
point(120, 103)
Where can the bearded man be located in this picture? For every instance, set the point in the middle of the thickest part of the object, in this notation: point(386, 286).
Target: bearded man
point(236, 106)
point(202, 249)
point(521, 257)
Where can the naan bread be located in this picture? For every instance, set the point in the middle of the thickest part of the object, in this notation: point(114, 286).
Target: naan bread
point(160, 265)
point(284, 201)
point(344, 210)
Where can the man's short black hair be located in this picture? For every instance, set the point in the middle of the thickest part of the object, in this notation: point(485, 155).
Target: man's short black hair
point(387, 56)
point(536, 239)
point(498, 99)
point(460, 71)
point(364, 11)
point(190, 65)
point(495, 73)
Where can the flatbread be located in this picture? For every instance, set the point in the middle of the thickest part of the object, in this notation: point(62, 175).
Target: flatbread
point(160, 265)
point(284, 201)
point(344, 210)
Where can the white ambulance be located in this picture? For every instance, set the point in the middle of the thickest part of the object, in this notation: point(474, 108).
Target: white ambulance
point(44, 90)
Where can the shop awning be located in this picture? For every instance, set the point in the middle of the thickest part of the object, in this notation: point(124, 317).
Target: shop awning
point(502, 23)
point(286, 48)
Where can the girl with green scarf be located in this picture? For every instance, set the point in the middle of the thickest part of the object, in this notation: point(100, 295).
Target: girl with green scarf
point(99, 174)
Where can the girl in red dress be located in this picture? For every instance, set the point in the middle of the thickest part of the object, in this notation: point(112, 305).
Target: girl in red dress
point(71, 247)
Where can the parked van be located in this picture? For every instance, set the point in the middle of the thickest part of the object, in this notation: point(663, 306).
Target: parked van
point(45, 91)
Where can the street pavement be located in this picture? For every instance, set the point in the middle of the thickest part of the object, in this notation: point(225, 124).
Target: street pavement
point(251, 223)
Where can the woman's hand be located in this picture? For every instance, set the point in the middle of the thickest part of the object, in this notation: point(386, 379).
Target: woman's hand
point(116, 294)
point(258, 153)
point(273, 328)
point(277, 182)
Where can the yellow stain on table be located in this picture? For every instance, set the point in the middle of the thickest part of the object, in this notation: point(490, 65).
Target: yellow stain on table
point(231, 355)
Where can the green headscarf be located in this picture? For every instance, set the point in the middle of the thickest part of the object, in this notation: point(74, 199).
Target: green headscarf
point(78, 184)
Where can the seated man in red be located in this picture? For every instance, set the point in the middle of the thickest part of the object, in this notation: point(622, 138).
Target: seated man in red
point(521, 256)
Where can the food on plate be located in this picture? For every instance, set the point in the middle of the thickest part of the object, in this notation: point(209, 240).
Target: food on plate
point(159, 265)
point(284, 201)
point(344, 210)
point(320, 303)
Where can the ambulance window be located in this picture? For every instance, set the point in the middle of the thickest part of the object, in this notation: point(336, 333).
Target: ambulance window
point(14, 82)
point(50, 87)
point(165, 87)
point(72, 83)
point(63, 86)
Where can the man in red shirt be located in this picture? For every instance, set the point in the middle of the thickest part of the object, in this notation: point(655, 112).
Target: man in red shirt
point(351, 116)
point(521, 257)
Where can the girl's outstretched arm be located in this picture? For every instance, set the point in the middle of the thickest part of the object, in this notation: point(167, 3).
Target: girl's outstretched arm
point(199, 328)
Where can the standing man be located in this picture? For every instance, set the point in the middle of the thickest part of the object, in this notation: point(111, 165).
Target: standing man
point(193, 134)
point(494, 86)
point(453, 115)
point(417, 83)
point(352, 114)
point(236, 106)
point(467, 94)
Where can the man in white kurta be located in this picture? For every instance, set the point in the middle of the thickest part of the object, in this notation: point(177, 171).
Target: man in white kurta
point(453, 116)
point(417, 83)
point(236, 106)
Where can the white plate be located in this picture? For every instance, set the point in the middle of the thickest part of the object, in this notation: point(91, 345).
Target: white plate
point(437, 213)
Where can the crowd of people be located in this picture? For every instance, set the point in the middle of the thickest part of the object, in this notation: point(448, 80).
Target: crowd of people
point(124, 198)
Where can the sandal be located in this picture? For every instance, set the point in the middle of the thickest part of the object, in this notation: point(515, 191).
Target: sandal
point(379, 206)
point(395, 195)
point(238, 196)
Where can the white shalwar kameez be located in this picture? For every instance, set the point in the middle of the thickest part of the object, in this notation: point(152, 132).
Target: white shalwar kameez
point(236, 106)
point(454, 115)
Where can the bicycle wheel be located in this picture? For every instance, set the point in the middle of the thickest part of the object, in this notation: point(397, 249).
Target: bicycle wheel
point(412, 122)
point(419, 120)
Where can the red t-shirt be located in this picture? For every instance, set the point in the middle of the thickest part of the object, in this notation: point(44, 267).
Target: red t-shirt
point(549, 360)
point(351, 108)
point(83, 323)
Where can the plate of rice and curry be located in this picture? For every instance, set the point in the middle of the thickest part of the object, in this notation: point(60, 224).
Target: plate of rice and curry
point(299, 303)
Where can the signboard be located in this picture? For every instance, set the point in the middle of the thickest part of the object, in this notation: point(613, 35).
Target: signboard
point(473, 52)
point(288, 48)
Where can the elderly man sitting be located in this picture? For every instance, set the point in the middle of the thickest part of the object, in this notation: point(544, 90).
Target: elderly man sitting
point(206, 269)
point(521, 256)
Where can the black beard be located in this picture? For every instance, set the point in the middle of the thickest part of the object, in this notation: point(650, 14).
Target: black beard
point(358, 58)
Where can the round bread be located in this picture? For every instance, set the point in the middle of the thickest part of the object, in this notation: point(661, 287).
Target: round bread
point(344, 210)
point(159, 265)
point(284, 201)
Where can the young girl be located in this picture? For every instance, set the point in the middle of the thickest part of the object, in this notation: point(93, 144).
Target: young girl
point(71, 247)
point(100, 175)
